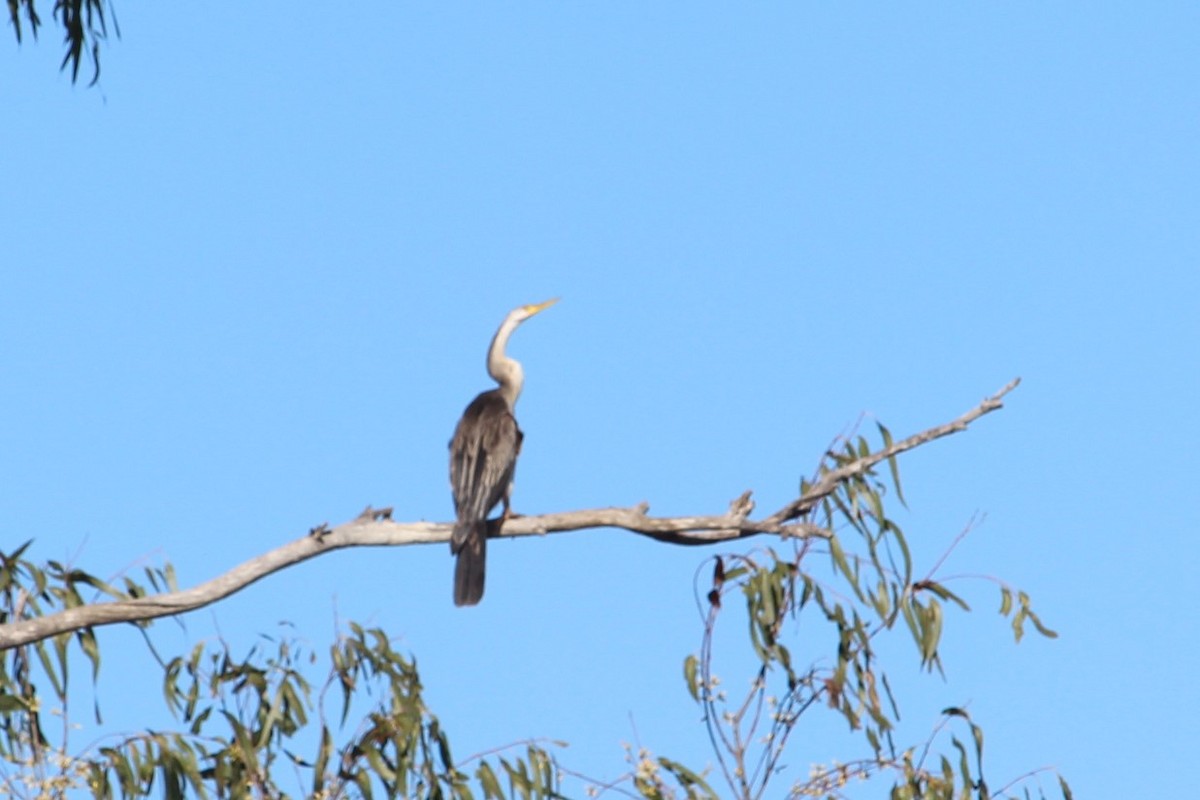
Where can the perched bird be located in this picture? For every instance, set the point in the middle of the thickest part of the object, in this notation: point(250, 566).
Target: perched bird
point(483, 457)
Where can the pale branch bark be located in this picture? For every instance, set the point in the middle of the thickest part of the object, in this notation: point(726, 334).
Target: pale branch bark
point(375, 528)
point(828, 482)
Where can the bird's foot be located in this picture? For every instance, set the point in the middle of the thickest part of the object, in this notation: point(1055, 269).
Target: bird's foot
point(494, 525)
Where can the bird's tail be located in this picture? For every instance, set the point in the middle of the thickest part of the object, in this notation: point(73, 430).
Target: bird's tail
point(469, 543)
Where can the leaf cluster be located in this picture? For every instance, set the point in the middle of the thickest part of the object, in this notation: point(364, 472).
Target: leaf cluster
point(28, 591)
point(259, 725)
point(244, 723)
point(84, 23)
point(862, 588)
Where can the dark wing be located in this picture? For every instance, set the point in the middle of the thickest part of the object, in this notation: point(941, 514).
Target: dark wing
point(483, 457)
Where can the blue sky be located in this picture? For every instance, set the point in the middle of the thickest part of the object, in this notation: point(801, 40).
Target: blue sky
point(248, 281)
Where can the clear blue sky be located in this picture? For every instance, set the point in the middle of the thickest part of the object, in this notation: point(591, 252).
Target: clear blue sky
point(247, 283)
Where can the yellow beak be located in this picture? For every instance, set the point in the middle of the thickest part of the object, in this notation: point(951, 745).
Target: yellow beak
point(533, 309)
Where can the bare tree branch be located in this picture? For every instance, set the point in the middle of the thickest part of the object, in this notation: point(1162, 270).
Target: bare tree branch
point(375, 528)
point(828, 482)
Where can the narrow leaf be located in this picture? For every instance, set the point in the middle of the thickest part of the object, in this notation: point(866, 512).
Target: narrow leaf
point(892, 464)
point(691, 665)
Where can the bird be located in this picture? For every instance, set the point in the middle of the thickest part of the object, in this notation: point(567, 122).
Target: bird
point(483, 457)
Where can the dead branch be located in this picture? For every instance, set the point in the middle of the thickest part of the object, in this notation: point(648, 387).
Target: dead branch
point(830, 480)
point(375, 528)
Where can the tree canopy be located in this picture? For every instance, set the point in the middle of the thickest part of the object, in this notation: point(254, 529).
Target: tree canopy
point(289, 719)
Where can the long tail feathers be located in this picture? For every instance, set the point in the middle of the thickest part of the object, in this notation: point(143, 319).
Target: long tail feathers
point(471, 547)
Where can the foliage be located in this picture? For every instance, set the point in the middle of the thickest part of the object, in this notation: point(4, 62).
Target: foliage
point(84, 23)
point(241, 719)
point(246, 724)
point(869, 558)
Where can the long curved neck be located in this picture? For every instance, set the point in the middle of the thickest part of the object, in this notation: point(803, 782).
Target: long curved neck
point(504, 370)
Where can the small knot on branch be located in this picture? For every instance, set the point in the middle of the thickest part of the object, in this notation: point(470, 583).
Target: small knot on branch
point(374, 514)
point(742, 506)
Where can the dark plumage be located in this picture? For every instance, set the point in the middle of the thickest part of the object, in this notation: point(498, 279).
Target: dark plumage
point(483, 458)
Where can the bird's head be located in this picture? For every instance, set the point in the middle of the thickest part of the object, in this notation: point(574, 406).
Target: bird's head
point(525, 312)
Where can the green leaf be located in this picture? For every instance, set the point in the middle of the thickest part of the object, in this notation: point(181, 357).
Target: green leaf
point(910, 609)
point(691, 666)
point(892, 463)
point(945, 594)
point(56, 678)
point(378, 763)
point(1042, 629)
point(362, 779)
point(964, 764)
point(687, 778)
point(931, 633)
point(902, 541)
point(735, 573)
point(15, 555)
point(443, 745)
point(881, 600)
point(839, 558)
point(518, 778)
point(324, 751)
point(87, 643)
point(9, 703)
point(488, 781)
